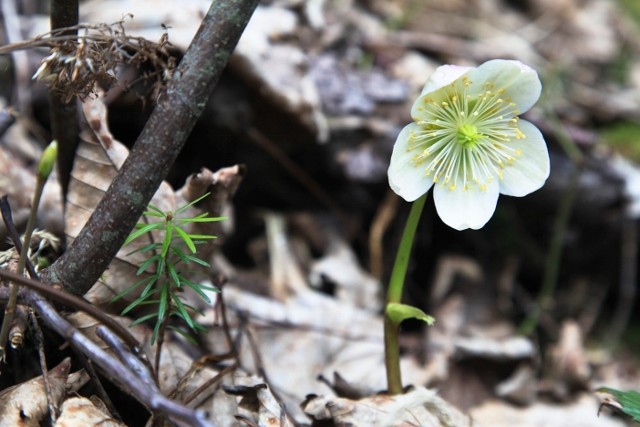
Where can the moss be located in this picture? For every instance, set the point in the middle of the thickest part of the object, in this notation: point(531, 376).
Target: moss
point(632, 8)
point(623, 137)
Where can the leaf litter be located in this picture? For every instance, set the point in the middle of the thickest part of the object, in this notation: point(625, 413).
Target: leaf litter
point(344, 73)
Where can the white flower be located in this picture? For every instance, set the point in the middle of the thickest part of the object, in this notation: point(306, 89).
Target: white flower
point(468, 142)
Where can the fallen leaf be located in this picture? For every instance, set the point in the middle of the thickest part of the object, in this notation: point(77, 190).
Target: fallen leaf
point(420, 406)
point(26, 404)
point(80, 412)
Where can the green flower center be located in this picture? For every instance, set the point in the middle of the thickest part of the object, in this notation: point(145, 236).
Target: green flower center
point(464, 133)
point(468, 135)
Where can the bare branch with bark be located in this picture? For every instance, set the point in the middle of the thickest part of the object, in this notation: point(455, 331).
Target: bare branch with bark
point(156, 148)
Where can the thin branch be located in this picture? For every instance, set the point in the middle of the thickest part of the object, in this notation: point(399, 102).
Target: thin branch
point(100, 391)
point(68, 300)
point(53, 412)
point(52, 292)
point(147, 394)
point(125, 356)
point(156, 148)
point(12, 29)
point(64, 115)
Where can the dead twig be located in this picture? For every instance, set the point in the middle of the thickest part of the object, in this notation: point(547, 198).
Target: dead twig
point(97, 383)
point(53, 411)
point(63, 109)
point(148, 395)
point(385, 214)
point(261, 371)
point(11, 22)
point(125, 356)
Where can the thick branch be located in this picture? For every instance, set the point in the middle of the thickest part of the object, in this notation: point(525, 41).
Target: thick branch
point(156, 148)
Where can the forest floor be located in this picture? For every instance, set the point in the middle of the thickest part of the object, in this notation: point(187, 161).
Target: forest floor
point(294, 145)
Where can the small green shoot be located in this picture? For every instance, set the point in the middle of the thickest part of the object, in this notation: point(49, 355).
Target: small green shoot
point(627, 402)
point(45, 167)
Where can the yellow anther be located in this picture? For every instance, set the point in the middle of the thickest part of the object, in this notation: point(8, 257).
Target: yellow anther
point(519, 134)
point(444, 104)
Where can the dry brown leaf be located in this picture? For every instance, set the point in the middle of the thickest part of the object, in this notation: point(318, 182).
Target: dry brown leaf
point(580, 412)
point(264, 57)
point(99, 157)
point(26, 404)
point(80, 412)
point(521, 387)
point(418, 407)
point(306, 335)
point(260, 405)
point(354, 285)
point(568, 361)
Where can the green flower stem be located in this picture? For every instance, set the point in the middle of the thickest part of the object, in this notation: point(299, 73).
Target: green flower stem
point(10, 308)
point(394, 295)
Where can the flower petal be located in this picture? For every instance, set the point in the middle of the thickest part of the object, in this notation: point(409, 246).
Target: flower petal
point(462, 209)
point(531, 168)
point(405, 178)
point(520, 82)
point(442, 76)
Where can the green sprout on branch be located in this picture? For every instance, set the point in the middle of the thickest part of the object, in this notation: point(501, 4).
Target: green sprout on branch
point(164, 279)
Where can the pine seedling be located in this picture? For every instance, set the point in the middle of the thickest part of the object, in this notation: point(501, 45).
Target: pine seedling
point(162, 290)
